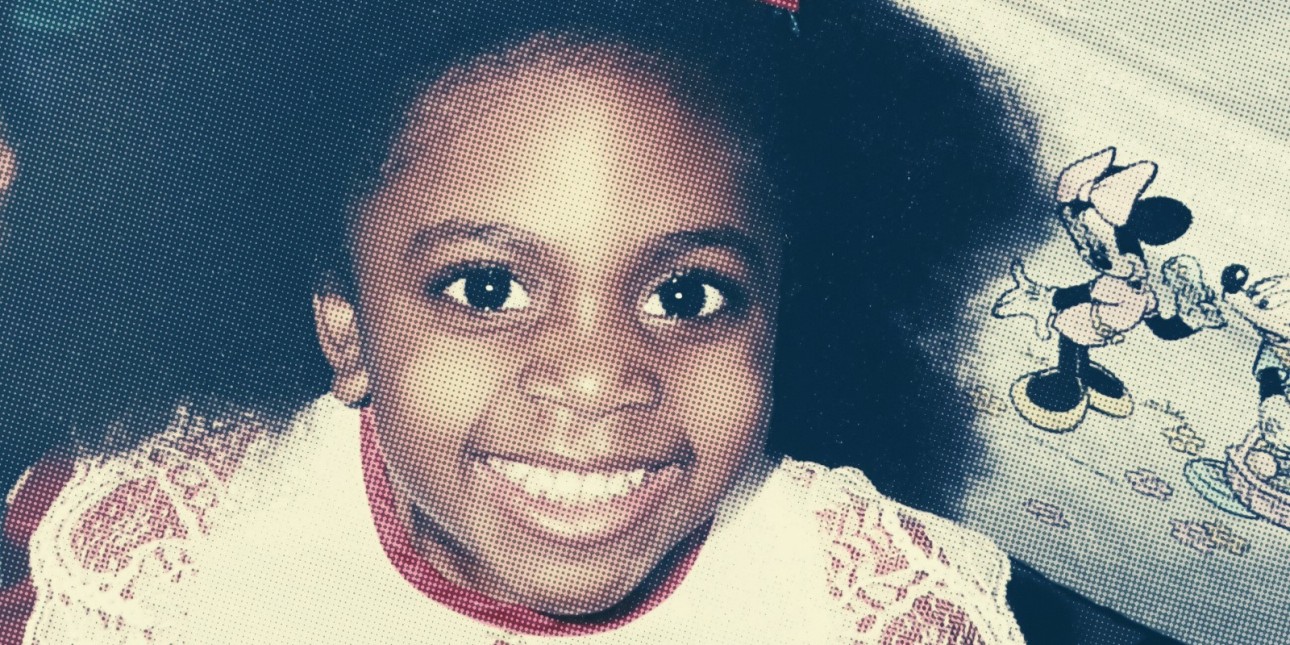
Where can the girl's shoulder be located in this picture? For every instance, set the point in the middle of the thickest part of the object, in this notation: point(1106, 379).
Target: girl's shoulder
point(897, 574)
point(168, 487)
point(112, 541)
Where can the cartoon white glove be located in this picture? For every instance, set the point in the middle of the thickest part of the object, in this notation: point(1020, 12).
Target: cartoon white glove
point(1211, 317)
point(1028, 299)
point(1196, 302)
point(1274, 423)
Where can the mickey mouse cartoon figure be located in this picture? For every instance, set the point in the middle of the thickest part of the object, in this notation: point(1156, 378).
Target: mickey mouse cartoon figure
point(1266, 306)
point(1099, 207)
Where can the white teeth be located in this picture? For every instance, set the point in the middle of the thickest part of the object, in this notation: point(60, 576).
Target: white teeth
point(568, 486)
point(515, 471)
point(533, 486)
point(593, 487)
point(540, 482)
point(616, 484)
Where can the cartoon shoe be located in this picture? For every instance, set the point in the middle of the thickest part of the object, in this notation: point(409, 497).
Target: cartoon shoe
point(1106, 393)
point(1050, 400)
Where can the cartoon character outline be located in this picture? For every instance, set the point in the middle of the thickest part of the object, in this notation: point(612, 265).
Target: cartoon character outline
point(1258, 470)
point(1101, 209)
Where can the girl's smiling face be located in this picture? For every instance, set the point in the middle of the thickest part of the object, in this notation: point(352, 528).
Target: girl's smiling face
point(566, 291)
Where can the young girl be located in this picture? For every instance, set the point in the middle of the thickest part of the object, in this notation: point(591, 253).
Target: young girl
point(550, 312)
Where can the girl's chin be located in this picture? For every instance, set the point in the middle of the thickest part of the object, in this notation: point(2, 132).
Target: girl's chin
point(568, 580)
point(592, 599)
point(566, 589)
point(579, 541)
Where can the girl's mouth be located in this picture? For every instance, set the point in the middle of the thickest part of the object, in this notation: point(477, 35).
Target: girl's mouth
point(574, 505)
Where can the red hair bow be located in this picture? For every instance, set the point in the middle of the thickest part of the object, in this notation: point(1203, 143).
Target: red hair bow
point(789, 5)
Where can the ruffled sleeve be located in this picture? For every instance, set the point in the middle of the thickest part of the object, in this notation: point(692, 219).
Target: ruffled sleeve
point(115, 553)
point(901, 576)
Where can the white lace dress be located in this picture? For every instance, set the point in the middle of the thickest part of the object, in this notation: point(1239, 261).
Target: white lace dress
point(245, 536)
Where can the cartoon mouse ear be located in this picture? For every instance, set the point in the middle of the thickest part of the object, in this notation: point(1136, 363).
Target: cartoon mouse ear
point(1076, 175)
point(1159, 220)
point(1114, 196)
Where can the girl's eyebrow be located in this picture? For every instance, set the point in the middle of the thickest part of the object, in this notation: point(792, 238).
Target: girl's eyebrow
point(457, 230)
point(741, 243)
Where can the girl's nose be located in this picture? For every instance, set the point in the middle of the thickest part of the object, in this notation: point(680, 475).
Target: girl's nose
point(1234, 278)
point(593, 380)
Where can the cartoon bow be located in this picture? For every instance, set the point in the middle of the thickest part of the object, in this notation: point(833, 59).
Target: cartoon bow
point(1112, 195)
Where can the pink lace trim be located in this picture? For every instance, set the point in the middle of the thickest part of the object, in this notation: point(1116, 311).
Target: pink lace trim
point(887, 575)
point(177, 479)
point(125, 523)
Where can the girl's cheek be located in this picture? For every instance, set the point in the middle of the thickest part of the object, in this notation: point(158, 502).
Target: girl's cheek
point(434, 382)
point(450, 382)
point(721, 396)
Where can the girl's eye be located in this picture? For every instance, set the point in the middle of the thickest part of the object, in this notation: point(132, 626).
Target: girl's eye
point(487, 289)
point(685, 296)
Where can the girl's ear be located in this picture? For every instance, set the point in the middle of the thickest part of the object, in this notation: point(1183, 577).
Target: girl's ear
point(1159, 220)
point(337, 328)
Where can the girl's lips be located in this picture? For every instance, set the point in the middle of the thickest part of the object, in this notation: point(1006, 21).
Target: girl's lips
point(573, 506)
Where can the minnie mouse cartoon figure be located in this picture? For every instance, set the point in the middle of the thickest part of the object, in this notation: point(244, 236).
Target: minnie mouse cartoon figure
point(1099, 207)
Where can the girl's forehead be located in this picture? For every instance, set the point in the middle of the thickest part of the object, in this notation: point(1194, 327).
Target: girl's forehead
point(580, 154)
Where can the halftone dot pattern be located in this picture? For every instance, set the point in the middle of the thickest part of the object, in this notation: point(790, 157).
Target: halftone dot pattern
point(492, 322)
point(1153, 504)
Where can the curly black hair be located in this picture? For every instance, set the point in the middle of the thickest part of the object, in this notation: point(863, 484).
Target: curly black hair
point(186, 170)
